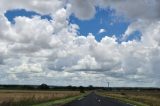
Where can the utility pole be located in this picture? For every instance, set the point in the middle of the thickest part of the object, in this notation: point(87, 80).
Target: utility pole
point(108, 84)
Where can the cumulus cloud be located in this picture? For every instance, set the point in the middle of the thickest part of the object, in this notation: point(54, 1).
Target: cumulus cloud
point(37, 49)
point(83, 9)
point(33, 68)
point(147, 9)
point(42, 6)
point(102, 31)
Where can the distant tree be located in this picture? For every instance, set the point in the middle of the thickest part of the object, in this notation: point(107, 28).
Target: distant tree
point(69, 87)
point(81, 89)
point(90, 87)
point(43, 86)
point(27, 87)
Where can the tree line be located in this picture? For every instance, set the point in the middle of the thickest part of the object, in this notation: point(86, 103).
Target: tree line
point(72, 88)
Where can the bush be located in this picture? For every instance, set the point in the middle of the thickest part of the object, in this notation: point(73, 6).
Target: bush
point(81, 88)
point(122, 93)
point(43, 87)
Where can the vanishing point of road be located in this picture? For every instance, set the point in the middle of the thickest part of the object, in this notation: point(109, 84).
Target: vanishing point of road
point(95, 100)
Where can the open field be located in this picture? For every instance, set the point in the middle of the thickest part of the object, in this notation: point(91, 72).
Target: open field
point(140, 98)
point(27, 98)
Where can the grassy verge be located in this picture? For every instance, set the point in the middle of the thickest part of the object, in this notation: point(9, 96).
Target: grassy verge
point(124, 100)
point(60, 101)
point(135, 103)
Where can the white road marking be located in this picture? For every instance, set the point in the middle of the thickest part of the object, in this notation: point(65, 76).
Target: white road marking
point(99, 100)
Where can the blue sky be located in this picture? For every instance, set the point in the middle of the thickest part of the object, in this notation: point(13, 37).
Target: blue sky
point(104, 19)
point(11, 14)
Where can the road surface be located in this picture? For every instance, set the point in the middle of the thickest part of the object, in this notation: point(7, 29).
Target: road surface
point(95, 100)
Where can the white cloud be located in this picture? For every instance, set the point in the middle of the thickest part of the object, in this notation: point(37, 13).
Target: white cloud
point(87, 63)
point(83, 9)
point(137, 9)
point(24, 68)
point(147, 9)
point(39, 6)
point(102, 31)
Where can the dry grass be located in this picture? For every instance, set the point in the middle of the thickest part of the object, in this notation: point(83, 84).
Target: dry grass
point(25, 98)
point(151, 98)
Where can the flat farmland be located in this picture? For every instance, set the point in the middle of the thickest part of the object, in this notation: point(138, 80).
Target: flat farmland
point(27, 98)
point(139, 98)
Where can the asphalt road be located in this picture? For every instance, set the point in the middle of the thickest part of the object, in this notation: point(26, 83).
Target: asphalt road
point(95, 100)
